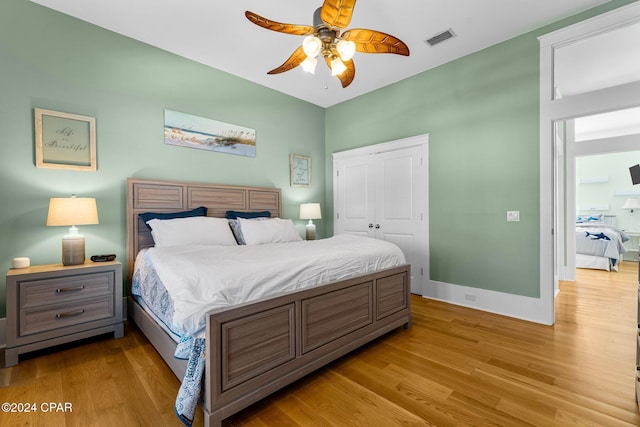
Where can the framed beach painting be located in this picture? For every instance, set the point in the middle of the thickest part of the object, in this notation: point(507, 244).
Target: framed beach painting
point(65, 140)
point(187, 130)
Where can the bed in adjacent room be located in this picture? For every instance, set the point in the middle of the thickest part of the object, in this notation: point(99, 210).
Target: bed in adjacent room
point(246, 319)
point(599, 242)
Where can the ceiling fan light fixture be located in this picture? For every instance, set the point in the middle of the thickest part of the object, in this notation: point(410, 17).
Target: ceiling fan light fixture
point(330, 37)
point(311, 46)
point(346, 49)
point(309, 64)
point(337, 66)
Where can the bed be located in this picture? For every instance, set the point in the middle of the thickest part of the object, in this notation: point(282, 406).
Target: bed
point(599, 242)
point(298, 331)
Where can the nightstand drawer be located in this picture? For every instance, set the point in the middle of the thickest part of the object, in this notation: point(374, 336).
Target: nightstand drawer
point(34, 321)
point(64, 289)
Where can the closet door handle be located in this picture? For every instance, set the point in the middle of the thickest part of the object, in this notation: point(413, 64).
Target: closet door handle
point(370, 225)
point(377, 226)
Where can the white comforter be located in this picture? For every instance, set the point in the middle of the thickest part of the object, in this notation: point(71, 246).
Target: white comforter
point(200, 279)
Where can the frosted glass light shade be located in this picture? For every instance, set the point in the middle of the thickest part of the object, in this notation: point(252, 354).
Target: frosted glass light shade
point(309, 64)
point(311, 46)
point(346, 49)
point(337, 67)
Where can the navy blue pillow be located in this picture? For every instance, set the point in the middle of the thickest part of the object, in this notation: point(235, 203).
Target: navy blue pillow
point(248, 215)
point(147, 216)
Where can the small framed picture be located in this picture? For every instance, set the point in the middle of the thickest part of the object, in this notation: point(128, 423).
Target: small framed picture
point(65, 141)
point(300, 169)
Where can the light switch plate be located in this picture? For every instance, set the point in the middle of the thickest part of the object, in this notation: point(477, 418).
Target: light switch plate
point(513, 216)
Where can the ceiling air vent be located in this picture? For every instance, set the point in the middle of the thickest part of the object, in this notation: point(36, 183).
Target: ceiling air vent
point(440, 37)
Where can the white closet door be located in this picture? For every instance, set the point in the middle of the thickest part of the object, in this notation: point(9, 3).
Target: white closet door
point(356, 197)
point(382, 192)
point(398, 213)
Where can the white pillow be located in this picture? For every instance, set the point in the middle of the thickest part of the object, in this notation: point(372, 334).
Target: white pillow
point(273, 230)
point(197, 230)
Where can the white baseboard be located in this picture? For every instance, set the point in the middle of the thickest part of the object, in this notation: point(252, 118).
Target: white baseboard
point(520, 307)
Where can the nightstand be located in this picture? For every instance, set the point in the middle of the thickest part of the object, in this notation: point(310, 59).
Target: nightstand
point(54, 304)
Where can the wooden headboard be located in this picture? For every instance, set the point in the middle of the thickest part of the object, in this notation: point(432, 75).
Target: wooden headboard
point(144, 195)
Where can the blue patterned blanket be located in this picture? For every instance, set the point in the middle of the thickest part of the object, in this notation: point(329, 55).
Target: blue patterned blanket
point(146, 286)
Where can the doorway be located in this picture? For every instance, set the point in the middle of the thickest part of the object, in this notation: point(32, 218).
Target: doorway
point(599, 149)
point(569, 89)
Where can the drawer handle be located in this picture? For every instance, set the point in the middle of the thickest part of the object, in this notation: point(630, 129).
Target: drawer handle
point(74, 289)
point(69, 314)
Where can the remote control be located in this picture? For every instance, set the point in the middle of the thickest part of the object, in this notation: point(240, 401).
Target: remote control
point(103, 258)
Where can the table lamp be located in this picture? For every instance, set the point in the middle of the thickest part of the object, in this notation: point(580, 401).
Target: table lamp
point(632, 204)
point(310, 211)
point(72, 211)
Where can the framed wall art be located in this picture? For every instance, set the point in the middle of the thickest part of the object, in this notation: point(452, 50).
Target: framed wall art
point(187, 130)
point(300, 170)
point(65, 141)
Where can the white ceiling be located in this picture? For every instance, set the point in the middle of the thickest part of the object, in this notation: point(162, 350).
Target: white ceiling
point(216, 33)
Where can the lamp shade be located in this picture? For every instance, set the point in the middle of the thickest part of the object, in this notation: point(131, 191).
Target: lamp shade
point(310, 211)
point(631, 204)
point(72, 211)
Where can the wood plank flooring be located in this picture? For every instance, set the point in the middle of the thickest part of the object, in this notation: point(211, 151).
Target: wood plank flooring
point(454, 367)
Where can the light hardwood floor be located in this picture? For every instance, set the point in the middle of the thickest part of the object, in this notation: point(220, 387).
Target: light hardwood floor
point(454, 367)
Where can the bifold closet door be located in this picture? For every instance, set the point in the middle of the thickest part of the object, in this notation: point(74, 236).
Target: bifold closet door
point(382, 196)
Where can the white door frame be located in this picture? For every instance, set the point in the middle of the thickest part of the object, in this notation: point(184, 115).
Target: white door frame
point(552, 110)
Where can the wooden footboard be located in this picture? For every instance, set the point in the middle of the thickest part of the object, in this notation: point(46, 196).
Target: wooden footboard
point(256, 349)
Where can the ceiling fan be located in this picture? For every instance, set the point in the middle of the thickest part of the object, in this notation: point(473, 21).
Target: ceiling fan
point(327, 38)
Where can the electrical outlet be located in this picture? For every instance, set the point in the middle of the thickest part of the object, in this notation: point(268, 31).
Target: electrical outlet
point(513, 216)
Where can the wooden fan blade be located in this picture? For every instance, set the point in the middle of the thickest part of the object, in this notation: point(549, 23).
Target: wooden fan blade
point(370, 41)
point(294, 60)
point(347, 75)
point(298, 30)
point(337, 13)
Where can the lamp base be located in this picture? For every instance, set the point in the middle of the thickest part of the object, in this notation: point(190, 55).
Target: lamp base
point(73, 250)
point(311, 231)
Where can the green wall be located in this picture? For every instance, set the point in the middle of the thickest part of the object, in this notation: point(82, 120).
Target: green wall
point(53, 61)
point(482, 114)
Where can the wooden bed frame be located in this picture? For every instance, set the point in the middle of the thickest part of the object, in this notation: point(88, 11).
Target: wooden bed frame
point(254, 349)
